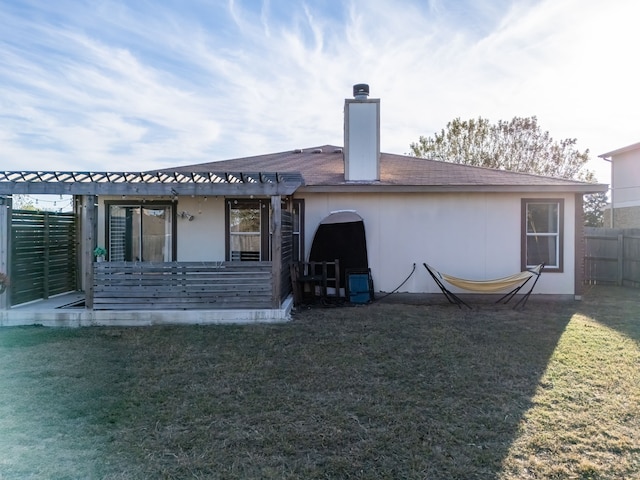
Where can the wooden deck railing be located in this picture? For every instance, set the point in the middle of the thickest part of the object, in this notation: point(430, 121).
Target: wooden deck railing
point(182, 285)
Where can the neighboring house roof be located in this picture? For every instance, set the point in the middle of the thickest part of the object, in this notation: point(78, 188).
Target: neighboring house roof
point(628, 148)
point(323, 171)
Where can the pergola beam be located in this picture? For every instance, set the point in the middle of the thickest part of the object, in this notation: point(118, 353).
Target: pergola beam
point(160, 183)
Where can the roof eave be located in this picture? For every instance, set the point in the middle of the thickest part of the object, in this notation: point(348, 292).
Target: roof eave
point(378, 188)
point(629, 148)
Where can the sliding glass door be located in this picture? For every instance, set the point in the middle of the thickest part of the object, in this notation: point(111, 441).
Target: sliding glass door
point(140, 232)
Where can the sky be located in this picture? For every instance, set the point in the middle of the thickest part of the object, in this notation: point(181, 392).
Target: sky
point(106, 85)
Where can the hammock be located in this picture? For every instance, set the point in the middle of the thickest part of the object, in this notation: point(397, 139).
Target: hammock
point(514, 282)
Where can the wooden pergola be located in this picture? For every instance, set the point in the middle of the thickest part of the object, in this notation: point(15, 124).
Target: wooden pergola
point(88, 185)
point(149, 183)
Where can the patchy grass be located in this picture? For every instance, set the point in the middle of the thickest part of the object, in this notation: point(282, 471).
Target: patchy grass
point(585, 418)
point(383, 391)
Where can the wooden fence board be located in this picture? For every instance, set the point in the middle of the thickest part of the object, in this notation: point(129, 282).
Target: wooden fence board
point(43, 255)
point(181, 285)
point(176, 292)
point(612, 256)
point(287, 254)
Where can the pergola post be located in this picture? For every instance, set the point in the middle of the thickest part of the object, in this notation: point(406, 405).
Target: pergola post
point(162, 183)
point(5, 246)
point(276, 250)
point(88, 225)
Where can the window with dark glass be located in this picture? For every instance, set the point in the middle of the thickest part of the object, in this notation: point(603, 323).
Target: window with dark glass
point(140, 232)
point(249, 229)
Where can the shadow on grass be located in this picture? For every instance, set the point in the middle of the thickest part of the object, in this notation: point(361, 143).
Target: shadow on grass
point(380, 391)
point(24, 337)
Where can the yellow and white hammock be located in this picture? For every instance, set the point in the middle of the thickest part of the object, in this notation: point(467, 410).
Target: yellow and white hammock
point(513, 282)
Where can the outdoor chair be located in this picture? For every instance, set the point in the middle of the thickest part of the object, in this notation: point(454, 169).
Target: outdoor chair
point(314, 282)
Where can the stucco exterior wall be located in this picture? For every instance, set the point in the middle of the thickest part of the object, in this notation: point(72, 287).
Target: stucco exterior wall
point(625, 217)
point(625, 179)
point(201, 239)
point(476, 236)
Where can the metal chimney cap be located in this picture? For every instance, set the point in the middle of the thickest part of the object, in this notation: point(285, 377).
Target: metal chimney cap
point(361, 91)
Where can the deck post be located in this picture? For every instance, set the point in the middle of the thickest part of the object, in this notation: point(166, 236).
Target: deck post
point(276, 250)
point(5, 246)
point(88, 228)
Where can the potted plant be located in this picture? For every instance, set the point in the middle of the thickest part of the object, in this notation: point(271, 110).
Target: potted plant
point(99, 253)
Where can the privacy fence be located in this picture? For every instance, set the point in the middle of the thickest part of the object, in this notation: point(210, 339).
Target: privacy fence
point(43, 255)
point(182, 285)
point(287, 253)
point(612, 256)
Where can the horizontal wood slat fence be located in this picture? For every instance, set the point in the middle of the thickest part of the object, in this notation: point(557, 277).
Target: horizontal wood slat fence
point(182, 285)
point(287, 254)
point(612, 256)
point(43, 255)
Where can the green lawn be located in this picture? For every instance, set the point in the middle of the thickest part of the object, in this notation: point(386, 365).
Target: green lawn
point(384, 391)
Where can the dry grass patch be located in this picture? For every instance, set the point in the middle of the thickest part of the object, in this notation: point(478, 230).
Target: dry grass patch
point(585, 419)
point(382, 391)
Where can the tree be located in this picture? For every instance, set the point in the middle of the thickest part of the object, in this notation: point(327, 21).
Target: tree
point(594, 205)
point(23, 202)
point(518, 145)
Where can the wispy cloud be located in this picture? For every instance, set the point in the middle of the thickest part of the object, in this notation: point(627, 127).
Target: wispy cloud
point(133, 86)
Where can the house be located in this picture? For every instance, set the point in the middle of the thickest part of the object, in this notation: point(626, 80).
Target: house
point(625, 187)
point(214, 241)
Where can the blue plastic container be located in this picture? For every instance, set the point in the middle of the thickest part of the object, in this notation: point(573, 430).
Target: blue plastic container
point(359, 288)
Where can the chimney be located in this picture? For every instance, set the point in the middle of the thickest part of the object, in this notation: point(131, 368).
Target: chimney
point(361, 136)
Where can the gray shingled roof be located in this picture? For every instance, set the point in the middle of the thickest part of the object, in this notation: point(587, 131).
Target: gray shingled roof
point(323, 170)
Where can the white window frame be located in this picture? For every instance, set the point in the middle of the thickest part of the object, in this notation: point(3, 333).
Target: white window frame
point(558, 234)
